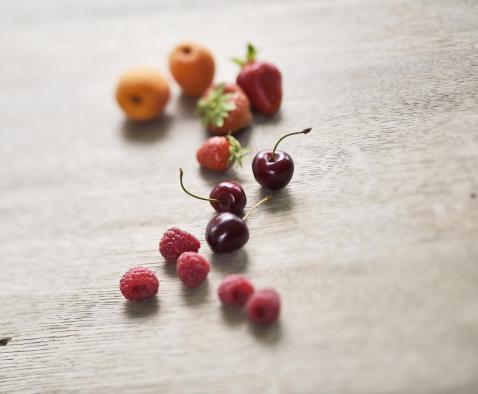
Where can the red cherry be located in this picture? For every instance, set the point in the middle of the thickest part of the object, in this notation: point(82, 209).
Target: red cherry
point(227, 232)
point(226, 196)
point(274, 168)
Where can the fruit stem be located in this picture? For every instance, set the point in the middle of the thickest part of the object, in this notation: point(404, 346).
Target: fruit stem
point(251, 54)
point(188, 192)
point(266, 198)
point(305, 131)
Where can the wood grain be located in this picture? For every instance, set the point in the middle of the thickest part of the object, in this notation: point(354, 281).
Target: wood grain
point(373, 246)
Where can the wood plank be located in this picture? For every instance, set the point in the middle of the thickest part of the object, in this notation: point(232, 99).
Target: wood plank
point(373, 246)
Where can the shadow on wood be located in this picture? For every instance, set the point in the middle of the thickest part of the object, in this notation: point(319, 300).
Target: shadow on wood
point(197, 296)
point(230, 263)
point(187, 107)
point(268, 335)
point(281, 201)
point(244, 136)
point(141, 309)
point(261, 119)
point(233, 316)
point(214, 178)
point(146, 132)
point(168, 269)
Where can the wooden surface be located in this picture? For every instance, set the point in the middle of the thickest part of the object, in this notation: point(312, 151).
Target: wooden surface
point(373, 246)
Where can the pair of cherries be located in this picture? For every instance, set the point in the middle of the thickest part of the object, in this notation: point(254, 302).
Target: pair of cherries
point(227, 231)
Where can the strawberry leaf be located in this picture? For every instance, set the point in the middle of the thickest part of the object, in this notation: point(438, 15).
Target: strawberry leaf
point(251, 54)
point(241, 63)
point(236, 151)
point(215, 107)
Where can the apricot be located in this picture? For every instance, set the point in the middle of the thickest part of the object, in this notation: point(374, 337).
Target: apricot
point(192, 66)
point(142, 93)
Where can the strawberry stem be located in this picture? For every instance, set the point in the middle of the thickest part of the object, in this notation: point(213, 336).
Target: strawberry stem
point(266, 198)
point(251, 54)
point(188, 192)
point(305, 131)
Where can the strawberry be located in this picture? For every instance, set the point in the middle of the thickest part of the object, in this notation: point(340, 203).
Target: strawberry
point(219, 153)
point(224, 109)
point(261, 81)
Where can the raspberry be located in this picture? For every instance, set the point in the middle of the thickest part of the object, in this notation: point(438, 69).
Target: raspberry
point(263, 307)
point(176, 241)
point(139, 283)
point(235, 290)
point(192, 269)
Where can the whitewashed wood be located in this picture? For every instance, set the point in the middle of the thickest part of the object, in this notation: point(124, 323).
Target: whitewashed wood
point(373, 247)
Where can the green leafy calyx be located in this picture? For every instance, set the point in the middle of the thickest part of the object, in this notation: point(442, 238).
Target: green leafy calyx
point(236, 151)
point(215, 107)
point(251, 55)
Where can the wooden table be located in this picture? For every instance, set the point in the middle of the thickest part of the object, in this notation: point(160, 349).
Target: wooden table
point(373, 246)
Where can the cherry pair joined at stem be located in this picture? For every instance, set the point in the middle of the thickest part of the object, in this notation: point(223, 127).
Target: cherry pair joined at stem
point(227, 232)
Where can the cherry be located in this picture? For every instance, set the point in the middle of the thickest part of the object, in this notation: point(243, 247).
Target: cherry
point(226, 196)
point(227, 232)
point(274, 169)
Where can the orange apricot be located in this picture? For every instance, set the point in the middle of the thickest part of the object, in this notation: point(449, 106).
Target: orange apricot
point(192, 66)
point(142, 93)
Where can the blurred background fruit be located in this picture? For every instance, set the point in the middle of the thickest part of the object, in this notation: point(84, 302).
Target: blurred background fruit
point(192, 66)
point(142, 93)
point(225, 109)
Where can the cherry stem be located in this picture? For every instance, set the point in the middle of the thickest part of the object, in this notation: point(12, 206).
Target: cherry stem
point(266, 198)
point(305, 131)
point(188, 192)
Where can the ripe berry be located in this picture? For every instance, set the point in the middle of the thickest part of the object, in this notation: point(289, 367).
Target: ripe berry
point(176, 241)
point(235, 290)
point(274, 169)
point(227, 232)
point(219, 153)
point(139, 283)
point(192, 269)
point(261, 81)
point(224, 109)
point(263, 307)
point(226, 196)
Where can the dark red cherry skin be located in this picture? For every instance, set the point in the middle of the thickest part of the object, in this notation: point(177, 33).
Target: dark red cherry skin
point(231, 197)
point(273, 174)
point(226, 232)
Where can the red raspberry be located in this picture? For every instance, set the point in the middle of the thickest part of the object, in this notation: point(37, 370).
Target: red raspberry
point(176, 241)
point(139, 283)
point(263, 307)
point(192, 269)
point(235, 290)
